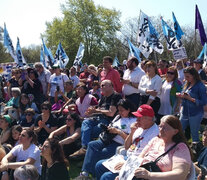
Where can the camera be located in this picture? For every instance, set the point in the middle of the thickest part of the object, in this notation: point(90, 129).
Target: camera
point(103, 127)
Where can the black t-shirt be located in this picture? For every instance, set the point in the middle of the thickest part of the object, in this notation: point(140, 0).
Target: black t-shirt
point(43, 134)
point(58, 171)
point(106, 102)
point(24, 123)
point(14, 83)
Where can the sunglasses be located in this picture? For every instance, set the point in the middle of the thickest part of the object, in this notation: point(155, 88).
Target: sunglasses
point(28, 114)
point(103, 85)
point(172, 73)
point(69, 119)
point(23, 135)
point(44, 108)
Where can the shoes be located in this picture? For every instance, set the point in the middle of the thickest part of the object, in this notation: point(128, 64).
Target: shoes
point(83, 177)
point(78, 154)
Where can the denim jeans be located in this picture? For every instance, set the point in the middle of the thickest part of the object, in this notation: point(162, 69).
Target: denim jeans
point(194, 122)
point(96, 151)
point(90, 129)
point(102, 173)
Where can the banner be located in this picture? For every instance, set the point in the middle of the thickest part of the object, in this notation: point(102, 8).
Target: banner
point(61, 56)
point(20, 57)
point(203, 53)
point(179, 53)
point(42, 57)
point(116, 62)
point(79, 55)
point(8, 44)
point(199, 26)
point(143, 34)
point(177, 28)
point(153, 39)
point(172, 42)
point(134, 51)
point(49, 60)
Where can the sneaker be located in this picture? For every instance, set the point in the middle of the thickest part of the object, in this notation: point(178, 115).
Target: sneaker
point(82, 177)
point(80, 153)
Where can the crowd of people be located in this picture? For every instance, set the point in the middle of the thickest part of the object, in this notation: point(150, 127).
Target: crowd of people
point(148, 109)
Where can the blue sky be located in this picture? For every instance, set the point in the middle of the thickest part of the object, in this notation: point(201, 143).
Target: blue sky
point(26, 18)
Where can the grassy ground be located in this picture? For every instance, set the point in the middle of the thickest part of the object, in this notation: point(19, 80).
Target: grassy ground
point(75, 168)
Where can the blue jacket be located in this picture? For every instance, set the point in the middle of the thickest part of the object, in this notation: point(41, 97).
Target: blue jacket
point(198, 91)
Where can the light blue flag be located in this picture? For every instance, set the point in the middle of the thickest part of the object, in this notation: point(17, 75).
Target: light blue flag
point(203, 53)
point(153, 39)
point(8, 44)
point(42, 58)
point(49, 60)
point(61, 56)
point(134, 51)
point(170, 37)
point(177, 28)
point(20, 57)
point(116, 62)
point(79, 55)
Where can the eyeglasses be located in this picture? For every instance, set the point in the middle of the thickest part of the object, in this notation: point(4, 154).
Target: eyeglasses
point(23, 135)
point(103, 85)
point(28, 114)
point(44, 108)
point(171, 73)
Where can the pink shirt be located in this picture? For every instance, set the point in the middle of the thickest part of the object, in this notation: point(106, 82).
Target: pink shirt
point(155, 148)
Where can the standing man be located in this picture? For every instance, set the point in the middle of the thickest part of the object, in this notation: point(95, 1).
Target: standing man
point(197, 64)
point(44, 76)
point(74, 77)
point(111, 74)
point(131, 81)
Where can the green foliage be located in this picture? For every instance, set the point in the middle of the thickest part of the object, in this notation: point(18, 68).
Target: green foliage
point(31, 54)
point(83, 22)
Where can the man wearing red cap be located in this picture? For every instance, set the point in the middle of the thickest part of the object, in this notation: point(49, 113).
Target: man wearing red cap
point(142, 131)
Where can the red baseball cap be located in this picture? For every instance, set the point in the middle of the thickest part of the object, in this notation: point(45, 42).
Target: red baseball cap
point(144, 110)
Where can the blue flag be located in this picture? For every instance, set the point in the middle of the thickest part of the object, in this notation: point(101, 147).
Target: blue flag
point(20, 57)
point(8, 44)
point(61, 56)
point(153, 39)
point(134, 51)
point(116, 62)
point(49, 60)
point(79, 55)
point(177, 28)
point(42, 58)
point(172, 42)
point(203, 53)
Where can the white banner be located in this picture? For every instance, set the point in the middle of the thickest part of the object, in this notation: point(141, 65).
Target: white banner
point(180, 53)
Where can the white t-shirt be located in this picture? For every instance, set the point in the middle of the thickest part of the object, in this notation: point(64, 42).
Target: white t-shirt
point(181, 76)
point(144, 135)
point(57, 81)
point(44, 78)
point(32, 152)
point(165, 107)
point(124, 125)
point(75, 80)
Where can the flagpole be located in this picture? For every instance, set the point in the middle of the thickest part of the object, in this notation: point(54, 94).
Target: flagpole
point(195, 45)
point(155, 55)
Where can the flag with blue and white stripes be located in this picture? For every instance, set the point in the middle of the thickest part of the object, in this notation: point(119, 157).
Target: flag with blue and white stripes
point(177, 28)
point(134, 51)
point(20, 57)
point(61, 56)
point(79, 55)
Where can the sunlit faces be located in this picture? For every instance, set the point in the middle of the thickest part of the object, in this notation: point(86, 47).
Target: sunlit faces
point(3, 123)
point(204, 138)
point(150, 69)
point(106, 64)
point(24, 138)
point(166, 131)
point(15, 134)
point(123, 112)
point(69, 121)
point(80, 91)
point(45, 149)
point(143, 121)
point(24, 100)
point(188, 77)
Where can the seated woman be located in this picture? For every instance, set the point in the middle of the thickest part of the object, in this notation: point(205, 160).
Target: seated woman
point(72, 131)
point(54, 166)
point(25, 153)
point(84, 101)
point(15, 134)
point(120, 126)
point(29, 120)
point(45, 123)
point(96, 91)
point(5, 122)
point(176, 163)
point(25, 103)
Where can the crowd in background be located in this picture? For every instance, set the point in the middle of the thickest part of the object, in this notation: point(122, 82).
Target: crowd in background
point(49, 116)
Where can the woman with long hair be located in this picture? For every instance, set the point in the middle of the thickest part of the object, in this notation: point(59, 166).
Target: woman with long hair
point(72, 131)
point(193, 101)
point(25, 153)
point(54, 165)
point(170, 104)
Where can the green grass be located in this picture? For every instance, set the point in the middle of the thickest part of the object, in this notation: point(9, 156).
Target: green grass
point(75, 168)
